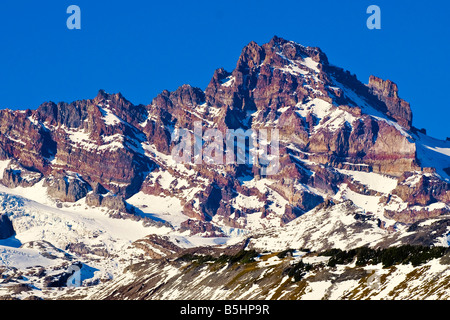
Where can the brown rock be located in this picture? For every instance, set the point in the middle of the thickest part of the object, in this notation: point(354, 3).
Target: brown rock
point(205, 228)
point(387, 91)
point(15, 175)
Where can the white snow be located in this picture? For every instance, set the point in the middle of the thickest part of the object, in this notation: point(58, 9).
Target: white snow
point(228, 82)
point(412, 180)
point(284, 109)
point(331, 116)
point(109, 117)
point(248, 202)
point(73, 223)
point(276, 204)
point(372, 180)
point(160, 207)
point(368, 109)
point(434, 153)
point(22, 258)
point(3, 165)
point(294, 69)
point(368, 203)
point(295, 66)
point(316, 229)
point(81, 139)
point(311, 64)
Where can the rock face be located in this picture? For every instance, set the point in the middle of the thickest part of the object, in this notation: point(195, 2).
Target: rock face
point(114, 203)
point(422, 189)
point(6, 227)
point(98, 140)
point(66, 188)
point(387, 91)
point(15, 175)
point(328, 123)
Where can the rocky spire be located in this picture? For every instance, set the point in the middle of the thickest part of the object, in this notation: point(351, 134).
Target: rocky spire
point(387, 91)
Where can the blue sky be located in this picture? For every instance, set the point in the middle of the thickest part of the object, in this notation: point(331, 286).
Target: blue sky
point(140, 48)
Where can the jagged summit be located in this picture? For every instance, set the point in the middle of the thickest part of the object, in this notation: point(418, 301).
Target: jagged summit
point(325, 116)
point(353, 171)
point(328, 121)
point(387, 91)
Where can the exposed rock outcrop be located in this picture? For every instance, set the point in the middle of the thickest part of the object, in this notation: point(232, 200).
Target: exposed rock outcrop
point(66, 188)
point(112, 202)
point(324, 116)
point(6, 227)
point(387, 91)
point(15, 175)
point(206, 229)
point(422, 189)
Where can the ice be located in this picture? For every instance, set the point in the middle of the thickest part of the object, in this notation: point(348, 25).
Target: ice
point(368, 203)
point(22, 258)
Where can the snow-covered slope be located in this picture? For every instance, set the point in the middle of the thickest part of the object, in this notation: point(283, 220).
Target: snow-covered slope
point(49, 240)
point(95, 184)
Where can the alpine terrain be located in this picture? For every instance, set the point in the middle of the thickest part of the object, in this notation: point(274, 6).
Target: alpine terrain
point(95, 203)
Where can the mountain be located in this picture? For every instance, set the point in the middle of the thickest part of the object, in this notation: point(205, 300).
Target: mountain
point(102, 181)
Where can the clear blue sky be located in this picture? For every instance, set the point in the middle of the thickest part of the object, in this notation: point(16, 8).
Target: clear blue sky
point(140, 48)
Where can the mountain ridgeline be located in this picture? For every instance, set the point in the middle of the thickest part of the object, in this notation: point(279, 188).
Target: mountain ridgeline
point(331, 127)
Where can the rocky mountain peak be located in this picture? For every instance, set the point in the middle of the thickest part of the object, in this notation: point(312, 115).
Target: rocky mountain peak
point(385, 88)
point(251, 57)
point(352, 172)
point(102, 95)
point(387, 91)
point(187, 95)
point(328, 121)
point(293, 50)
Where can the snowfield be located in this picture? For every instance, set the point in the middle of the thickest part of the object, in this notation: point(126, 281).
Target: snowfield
point(52, 238)
point(45, 234)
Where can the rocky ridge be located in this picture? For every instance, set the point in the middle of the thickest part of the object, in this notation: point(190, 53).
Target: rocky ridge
point(327, 120)
point(353, 170)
